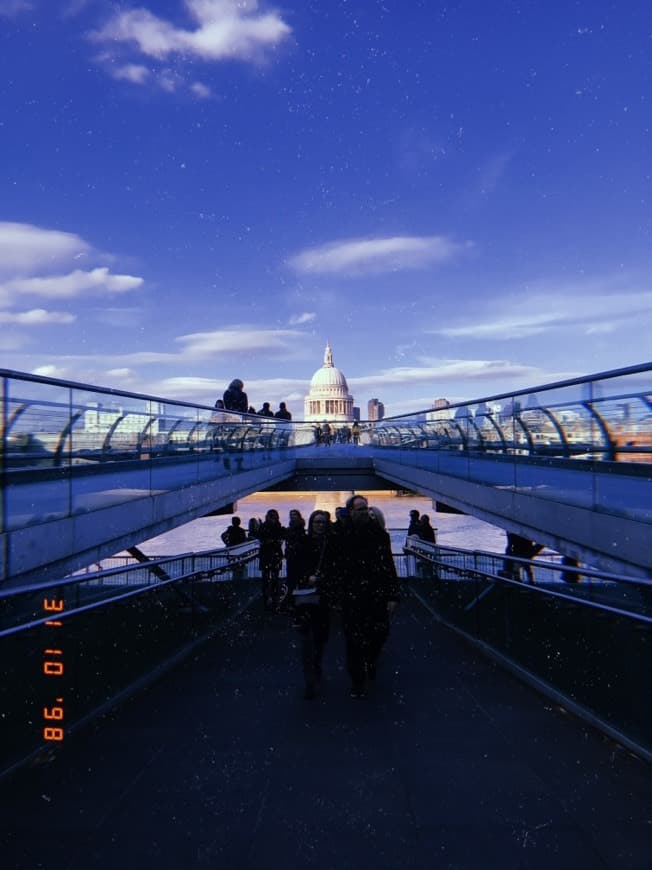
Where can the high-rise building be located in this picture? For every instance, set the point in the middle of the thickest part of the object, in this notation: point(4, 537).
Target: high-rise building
point(375, 410)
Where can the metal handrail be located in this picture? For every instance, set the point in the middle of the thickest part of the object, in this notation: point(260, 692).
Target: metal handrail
point(432, 554)
point(243, 553)
point(237, 555)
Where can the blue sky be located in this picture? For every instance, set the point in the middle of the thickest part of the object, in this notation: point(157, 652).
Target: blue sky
point(457, 195)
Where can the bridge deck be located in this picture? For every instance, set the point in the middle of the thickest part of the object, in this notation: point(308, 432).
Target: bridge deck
point(450, 762)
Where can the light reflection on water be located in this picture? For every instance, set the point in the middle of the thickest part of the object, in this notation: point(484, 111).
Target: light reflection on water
point(453, 530)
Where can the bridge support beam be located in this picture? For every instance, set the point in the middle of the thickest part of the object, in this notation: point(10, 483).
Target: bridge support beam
point(51, 550)
point(618, 545)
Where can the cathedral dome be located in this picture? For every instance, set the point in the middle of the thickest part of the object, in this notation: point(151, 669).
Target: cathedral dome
point(329, 397)
point(328, 378)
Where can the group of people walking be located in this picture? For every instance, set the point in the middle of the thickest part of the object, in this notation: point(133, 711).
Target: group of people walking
point(342, 565)
point(235, 399)
point(325, 434)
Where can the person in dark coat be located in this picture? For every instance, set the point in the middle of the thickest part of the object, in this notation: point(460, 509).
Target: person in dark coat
point(231, 537)
point(234, 534)
point(316, 593)
point(295, 536)
point(369, 592)
point(572, 576)
point(413, 528)
point(521, 548)
point(234, 398)
point(252, 529)
point(426, 531)
point(271, 535)
point(283, 413)
point(266, 411)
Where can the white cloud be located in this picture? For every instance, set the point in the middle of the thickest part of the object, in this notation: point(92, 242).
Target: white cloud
point(586, 309)
point(120, 373)
point(226, 29)
point(169, 81)
point(437, 371)
point(362, 256)
point(131, 72)
point(201, 91)
point(206, 390)
point(50, 371)
point(299, 319)
point(69, 286)
point(36, 317)
point(24, 247)
point(238, 339)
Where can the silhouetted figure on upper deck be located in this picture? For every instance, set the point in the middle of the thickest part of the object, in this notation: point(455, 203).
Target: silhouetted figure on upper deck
point(283, 413)
point(265, 411)
point(235, 399)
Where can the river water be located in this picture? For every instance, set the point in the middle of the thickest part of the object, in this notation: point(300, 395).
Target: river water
point(453, 530)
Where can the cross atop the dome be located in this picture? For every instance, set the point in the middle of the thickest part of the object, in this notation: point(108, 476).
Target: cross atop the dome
point(328, 355)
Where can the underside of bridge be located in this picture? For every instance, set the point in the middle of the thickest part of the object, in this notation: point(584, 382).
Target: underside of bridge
point(332, 475)
point(119, 517)
point(617, 544)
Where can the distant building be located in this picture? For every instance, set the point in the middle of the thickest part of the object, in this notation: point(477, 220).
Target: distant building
point(356, 413)
point(329, 397)
point(439, 410)
point(375, 410)
point(99, 418)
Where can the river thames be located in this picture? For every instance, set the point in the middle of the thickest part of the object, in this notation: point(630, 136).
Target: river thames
point(453, 530)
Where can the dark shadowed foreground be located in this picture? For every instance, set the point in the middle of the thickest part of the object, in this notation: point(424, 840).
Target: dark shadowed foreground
point(449, 762)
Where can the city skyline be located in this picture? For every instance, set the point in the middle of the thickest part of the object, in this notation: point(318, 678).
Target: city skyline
point(457, 199)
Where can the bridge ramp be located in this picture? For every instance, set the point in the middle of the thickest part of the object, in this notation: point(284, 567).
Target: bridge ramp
point(449, 762)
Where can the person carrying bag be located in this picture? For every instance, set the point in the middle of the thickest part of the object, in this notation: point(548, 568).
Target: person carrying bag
point(313, 598)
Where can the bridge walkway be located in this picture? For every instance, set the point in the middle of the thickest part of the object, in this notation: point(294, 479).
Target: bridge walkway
point(450, 762)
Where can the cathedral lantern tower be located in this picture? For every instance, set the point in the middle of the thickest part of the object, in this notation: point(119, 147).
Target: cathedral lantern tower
point(329, 397)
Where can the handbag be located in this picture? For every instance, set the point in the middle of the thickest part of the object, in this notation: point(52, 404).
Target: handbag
point(310, 595)
point(306, 596)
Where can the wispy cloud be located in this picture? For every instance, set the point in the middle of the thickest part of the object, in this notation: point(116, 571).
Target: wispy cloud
point(203, 92)
point(36, 317)
point(453, 379)
point(441, 371)
point(131, 72)
point(586, 309)
point(224, 30)
point(238, 339)
point(299, 319)
point(202, 389)
point(76, 283)
point(25, 248)
point(51, 371)
point(28, 257)
point(364, 256)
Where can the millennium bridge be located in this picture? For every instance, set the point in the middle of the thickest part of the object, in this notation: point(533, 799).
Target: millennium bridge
point(151, 711)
